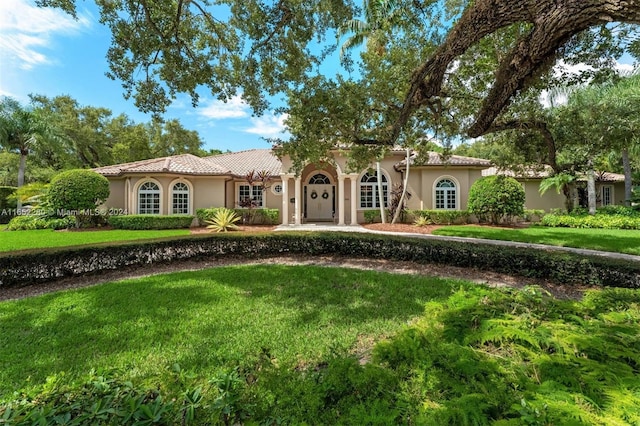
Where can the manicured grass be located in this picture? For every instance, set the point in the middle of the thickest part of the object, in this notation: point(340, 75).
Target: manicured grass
point(614, 240)
point(311, 345)
point(42, 238)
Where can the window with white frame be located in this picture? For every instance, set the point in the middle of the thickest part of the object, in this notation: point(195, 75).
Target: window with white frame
point(149, 198)
point(607, 195)
point(369, 195)
point(319, 179)
point(180, 198)
point(446, 194)
point(250, 196)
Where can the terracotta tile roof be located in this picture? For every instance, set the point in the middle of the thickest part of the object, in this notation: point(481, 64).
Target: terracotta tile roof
point(242, 162)
point(187, 164)
point(435, 159)
point(525, 173)
point(532, 173)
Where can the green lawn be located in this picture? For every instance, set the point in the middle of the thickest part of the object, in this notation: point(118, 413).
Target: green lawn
point(279, 344)
point(614, 240)
point(23, 240)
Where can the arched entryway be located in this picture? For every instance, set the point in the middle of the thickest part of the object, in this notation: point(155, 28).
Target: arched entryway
point(319, 197)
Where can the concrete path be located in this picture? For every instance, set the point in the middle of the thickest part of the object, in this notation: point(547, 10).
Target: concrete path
point(358, 228)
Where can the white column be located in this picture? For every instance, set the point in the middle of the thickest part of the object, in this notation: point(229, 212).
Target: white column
point(285, 199)
point(341, 199)
point(298, 196)
point(354, 198)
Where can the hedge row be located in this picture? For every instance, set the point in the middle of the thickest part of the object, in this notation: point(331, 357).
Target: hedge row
point(249, 216)
point(597, 221)
point(151, 221)
point(561, 267)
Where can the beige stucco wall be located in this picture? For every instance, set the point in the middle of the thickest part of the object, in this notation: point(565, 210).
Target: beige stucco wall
point(422, 181)
point(116, 200)
point(205, 191)
point(534, 201)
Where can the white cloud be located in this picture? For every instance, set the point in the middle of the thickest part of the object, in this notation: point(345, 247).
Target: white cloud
point(559, 97)
point(219, 110)
point(26, 29)
point(269, 125)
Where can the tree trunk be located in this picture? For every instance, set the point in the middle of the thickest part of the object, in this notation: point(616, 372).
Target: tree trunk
point(405, 183)
point(383, 217)
point(553, 23)
point(591, 189)
point(21, 169)
point(628, 184)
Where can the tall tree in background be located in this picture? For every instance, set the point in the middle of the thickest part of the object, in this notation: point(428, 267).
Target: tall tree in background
point(259, 48)
point(23, 130)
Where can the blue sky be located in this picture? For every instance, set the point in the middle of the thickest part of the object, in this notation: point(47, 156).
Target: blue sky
point(44, 51)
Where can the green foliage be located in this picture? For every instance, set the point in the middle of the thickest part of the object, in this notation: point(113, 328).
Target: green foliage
point(151, 221)
point(422, 221)
point(610, 217)
point(5, 193)
point(558, 266)
point(533, 215)
point(496, 198)
point(442, 352)
point(442, 217)
point(33, 221)
point(249, 216)
point(78, 190)
point(223, 220)
point(372, 216)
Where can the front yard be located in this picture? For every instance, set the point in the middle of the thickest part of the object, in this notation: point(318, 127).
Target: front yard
point(276, 344)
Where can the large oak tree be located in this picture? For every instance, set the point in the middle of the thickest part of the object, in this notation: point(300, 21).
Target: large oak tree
point(161, 48)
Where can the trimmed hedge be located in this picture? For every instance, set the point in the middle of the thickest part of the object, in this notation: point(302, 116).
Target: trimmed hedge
point(598, 221)
point(558, 266)
point(151, 221)
point(249, 216)
point(443, 217)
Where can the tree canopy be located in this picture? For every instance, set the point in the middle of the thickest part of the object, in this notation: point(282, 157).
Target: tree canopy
point(263, 48)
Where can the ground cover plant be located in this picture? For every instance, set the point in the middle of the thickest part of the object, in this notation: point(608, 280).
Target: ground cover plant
point(43, 238)
point(276, 344)
point(613, 240)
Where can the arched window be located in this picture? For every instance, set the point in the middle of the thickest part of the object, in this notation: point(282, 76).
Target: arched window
point(446, 194)
point(369, 197)
point(319, 179)
point(149, 198)
point(180, 198)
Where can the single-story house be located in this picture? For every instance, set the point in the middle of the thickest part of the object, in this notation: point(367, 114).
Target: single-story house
point(181, 184)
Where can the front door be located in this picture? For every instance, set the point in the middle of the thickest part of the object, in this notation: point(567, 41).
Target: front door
point(320, 201)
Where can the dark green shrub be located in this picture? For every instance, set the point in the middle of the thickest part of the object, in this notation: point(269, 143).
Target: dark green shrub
point(555, 265)
point(496, 198)
point(442, 217)
point(372, 216)
point(151, 221)
point(5, 193)
point(77, 193)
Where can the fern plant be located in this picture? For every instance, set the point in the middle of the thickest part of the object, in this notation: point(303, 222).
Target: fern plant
point(223, 220)
point(422, 221)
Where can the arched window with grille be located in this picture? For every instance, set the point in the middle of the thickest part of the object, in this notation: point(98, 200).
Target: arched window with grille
point(369, 197)
point(149, 198)
point(180, 198)
point(446, 194)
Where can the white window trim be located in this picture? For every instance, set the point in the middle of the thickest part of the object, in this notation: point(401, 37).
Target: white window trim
point(236, 195)
point(273, 188)
point(320, 172)
point(136, 191)
point(434, 187)
point(612, 195)
point(170, 197)
point(359, 189)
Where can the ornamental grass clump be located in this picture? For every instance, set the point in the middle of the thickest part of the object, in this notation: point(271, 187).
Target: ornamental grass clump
point(223, 220)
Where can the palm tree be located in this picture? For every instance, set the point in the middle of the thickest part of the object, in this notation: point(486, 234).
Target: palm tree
point(21, 130)
point(379, 16)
